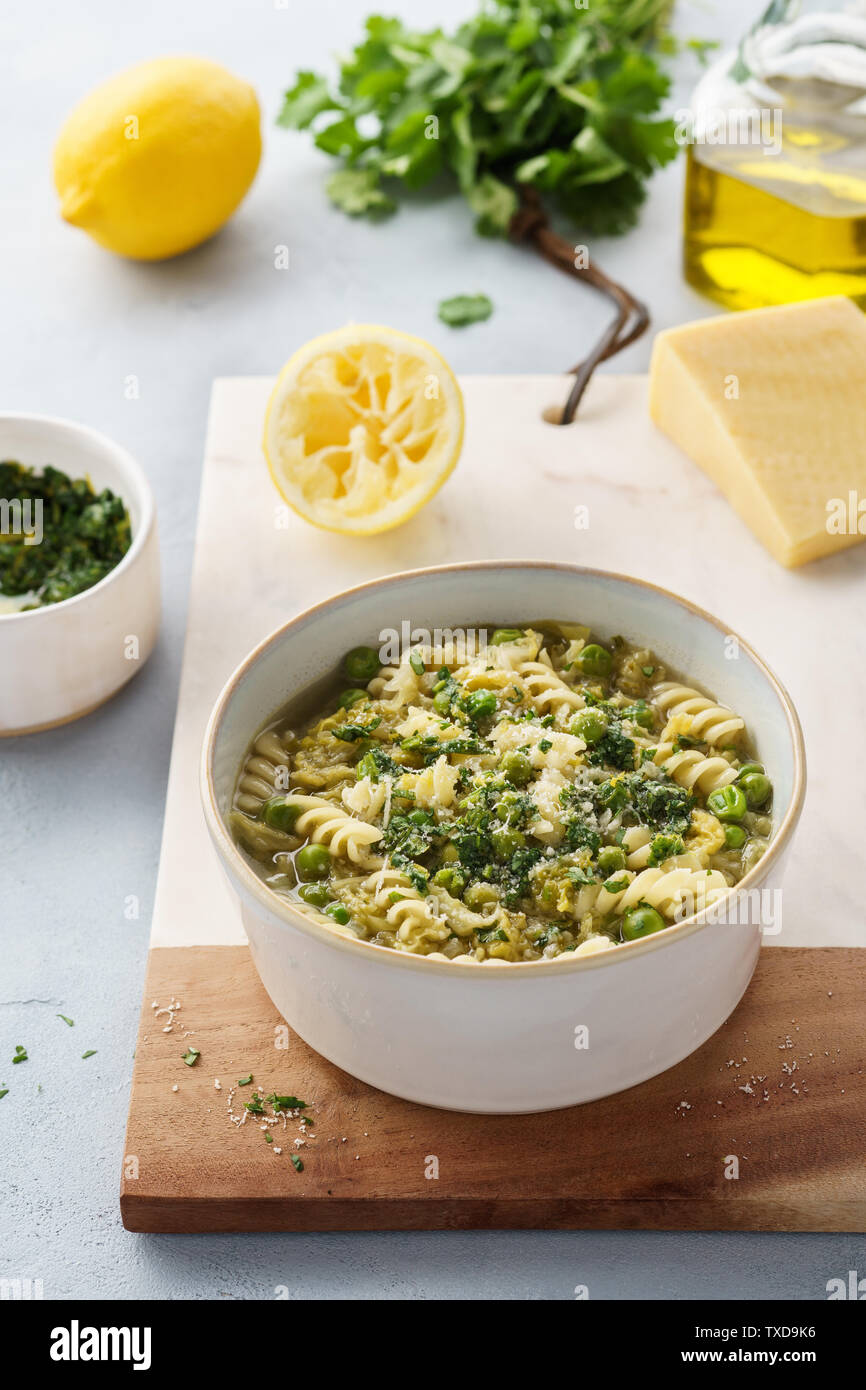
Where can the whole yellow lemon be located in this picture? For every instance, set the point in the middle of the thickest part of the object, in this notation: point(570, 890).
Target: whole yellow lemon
point(156, 159)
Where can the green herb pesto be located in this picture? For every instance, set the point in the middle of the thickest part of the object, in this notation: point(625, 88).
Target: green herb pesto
point(57, 536)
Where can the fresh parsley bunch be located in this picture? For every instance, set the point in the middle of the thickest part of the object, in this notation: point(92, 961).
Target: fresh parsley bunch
point(548, 93)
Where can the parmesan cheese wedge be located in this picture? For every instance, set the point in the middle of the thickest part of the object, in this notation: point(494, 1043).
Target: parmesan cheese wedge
point(771, 404)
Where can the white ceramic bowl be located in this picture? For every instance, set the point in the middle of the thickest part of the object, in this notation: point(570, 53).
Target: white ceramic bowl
point(62, 661)
point(504, 1039)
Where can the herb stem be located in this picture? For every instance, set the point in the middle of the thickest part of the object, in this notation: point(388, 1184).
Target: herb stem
point(531, 223)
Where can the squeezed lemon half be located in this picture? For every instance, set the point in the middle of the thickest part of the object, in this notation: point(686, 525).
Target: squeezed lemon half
point(362, 428)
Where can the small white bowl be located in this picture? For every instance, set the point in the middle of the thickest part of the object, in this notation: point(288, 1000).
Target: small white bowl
point(59, 662)
point(517, 1037)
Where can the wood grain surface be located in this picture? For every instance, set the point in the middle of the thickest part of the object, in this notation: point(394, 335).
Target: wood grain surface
point(778, 1094)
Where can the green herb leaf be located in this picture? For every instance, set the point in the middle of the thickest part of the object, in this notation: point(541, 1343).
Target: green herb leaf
point(307, 99)
point(296, 1163)
point(92, 1053)
point(245, 1080)
point(357, 191)
point(4, 1093)
point(286, 1102)
point(563, 98)
point(20, 1054)
point(69, 1021)
point(191, 1056)
point(464, 309)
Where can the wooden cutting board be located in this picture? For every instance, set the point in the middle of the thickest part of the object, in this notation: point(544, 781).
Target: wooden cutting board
point(761, 1129)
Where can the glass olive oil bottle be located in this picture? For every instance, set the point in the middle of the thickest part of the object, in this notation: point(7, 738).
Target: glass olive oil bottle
point(775, 206)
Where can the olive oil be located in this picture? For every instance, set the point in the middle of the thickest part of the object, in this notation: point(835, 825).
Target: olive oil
point(747, 247)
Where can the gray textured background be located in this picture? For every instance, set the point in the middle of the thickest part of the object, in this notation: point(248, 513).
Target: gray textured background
point(81, 808)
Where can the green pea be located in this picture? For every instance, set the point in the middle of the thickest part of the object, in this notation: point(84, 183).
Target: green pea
point(735, 836)
point(505, 842)
point(517, 768)
point(503, 635)
point(749, 767)
point(641, 921)
point(756, 787)
point(480, 704)
point(316, 894)
point(509, 806)
point(450, 854)
point(480, 895)
point(594, 660)
point(338, 912)
point(611, 858)
point(279, 814)
point(590, 725)
point(727, 803)
point(351, 697)
point(361, 664)
point(313, 861)
point(452, 879)
point(442, 702)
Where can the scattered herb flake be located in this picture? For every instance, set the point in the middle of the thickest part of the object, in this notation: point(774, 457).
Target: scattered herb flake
point(20, 1054)
point(191, 1056)
point(286, 1102)
point(91, 1052)
point(70, 1022)
point(245, 1080)
point(297, 1164)
point(464, 309)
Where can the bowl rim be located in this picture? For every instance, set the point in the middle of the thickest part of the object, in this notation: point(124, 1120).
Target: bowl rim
point(138, 484)
point(288, 916)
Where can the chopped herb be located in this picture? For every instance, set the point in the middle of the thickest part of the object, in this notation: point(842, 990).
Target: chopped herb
point(661, 803)
point(665, 847)
point(245, 1080)
point(377, 763)
point(417, 664)
point(286, 1102)
point(350, 733)
point(616, 885)
point(84, 535)
point(580, 876)
point(69, 1021)
point(92, 1053)
point(545, 745)
point(269, 1139)
point(254, 1106)
point(648, 671)
point(464, 309)
point(191, 1056)
point(296, 1163)
point(20, 1054)
point(614, 750)
point(4, 1093)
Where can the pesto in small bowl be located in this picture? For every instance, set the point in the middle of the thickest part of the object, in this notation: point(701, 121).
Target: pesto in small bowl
point(57, 536)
